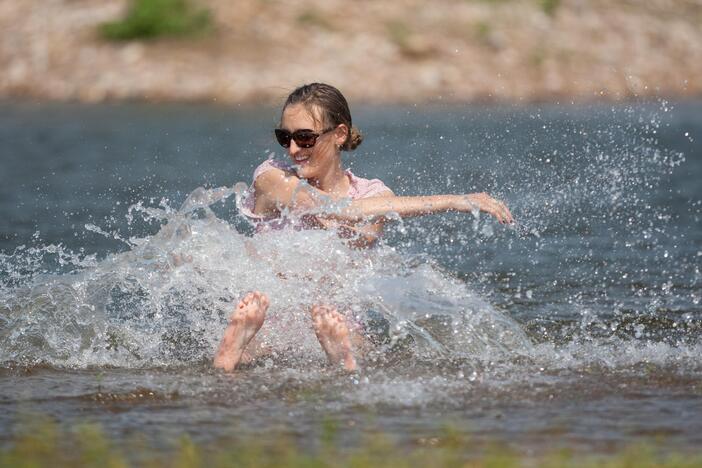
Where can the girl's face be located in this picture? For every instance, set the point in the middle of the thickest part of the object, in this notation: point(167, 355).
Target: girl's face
point(318, 160)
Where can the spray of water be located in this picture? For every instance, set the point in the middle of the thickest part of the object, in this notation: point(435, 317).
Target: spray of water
point(165, 301)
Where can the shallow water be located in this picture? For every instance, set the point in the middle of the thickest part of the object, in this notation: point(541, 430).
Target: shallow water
point(579, 328)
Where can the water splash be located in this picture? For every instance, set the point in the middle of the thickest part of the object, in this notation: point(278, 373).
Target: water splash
point(165, 301)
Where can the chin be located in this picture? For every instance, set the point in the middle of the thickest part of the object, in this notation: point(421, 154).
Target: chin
point(305, 172)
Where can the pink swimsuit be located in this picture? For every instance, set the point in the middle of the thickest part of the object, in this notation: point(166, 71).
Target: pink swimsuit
point(360, 188)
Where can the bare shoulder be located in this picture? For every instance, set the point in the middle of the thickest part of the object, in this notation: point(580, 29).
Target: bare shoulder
point(273, 179)
point(273, 190)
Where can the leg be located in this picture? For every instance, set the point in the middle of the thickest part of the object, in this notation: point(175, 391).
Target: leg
point(245, 321)
point(334, 336)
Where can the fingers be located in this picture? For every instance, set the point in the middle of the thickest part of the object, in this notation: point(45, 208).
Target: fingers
point(494, 207)
point(503, 214)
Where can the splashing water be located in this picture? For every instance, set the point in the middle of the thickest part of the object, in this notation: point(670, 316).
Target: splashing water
point(581, 322)
point(165, 301)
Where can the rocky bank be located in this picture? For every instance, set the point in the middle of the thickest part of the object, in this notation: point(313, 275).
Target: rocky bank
point(375, 51)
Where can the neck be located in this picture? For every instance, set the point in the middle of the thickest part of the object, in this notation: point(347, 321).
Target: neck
point(333, 182)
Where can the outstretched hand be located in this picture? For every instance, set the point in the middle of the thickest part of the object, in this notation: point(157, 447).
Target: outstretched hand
point(484, 202)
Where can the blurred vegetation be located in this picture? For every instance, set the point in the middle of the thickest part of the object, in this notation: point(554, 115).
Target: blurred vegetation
point(310, 17)
point(41, 443)
point(148, 19)
point(409, 44)
point(550, 6)
point(547, 6)
point(398, 32)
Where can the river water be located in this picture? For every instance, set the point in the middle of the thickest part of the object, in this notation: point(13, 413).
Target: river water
point(579, 328)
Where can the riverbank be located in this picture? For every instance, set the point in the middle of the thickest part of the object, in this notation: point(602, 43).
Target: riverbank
point(46, 444)
point(400, 51)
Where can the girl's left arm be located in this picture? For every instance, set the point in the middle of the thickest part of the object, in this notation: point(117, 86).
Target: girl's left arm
point(363, 219)
point(379, 207)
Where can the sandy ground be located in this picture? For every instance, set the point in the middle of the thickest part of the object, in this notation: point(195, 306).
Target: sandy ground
point(374, 51)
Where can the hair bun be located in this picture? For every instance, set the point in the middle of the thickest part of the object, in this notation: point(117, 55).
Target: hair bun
point(354, 140)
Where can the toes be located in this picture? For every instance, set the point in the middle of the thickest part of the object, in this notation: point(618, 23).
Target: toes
point(257, 295)
point(246, 300)
point(318, 322)
point(335, 317)
point(328, 321)
point(254, 298)
point(319, 311)
point(264, 301)
point(316, 311)
point(252, 307)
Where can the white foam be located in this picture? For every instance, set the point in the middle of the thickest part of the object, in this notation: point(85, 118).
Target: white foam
point(165, 302)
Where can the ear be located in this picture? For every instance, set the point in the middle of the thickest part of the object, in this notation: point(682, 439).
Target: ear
point(341, 134)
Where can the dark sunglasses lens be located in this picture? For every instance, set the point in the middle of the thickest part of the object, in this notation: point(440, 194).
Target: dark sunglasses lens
point(305, 138)
point(283, 137)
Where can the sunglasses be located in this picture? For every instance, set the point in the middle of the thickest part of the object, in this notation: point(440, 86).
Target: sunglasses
point(303, 138)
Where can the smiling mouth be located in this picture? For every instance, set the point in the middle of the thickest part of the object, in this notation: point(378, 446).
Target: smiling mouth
point(300, 159)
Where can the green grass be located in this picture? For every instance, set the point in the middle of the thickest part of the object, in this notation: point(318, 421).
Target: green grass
point(550, 6)
point(40, 443)
point(483, 30)
point(398, 32)
point(148, 19)
point(409, 45)
point(492, 2)
point(311, 18)
point(547, 6)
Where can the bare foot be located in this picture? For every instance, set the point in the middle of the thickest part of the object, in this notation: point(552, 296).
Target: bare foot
point(333, 334)
point(245, 321)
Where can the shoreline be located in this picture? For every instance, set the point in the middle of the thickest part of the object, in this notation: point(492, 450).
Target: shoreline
point(649, 100)
point(399, 52)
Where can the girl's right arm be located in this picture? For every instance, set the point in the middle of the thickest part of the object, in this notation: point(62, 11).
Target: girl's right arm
point(276, 190)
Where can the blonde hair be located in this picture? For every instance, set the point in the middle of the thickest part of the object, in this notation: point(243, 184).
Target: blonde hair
point(332, 106)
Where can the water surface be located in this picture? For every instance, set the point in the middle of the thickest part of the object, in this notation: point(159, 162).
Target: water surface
point(580, 329)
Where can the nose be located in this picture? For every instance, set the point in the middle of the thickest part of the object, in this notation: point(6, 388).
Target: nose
point(293, 148)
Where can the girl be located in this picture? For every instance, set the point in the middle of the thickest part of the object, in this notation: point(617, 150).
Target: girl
point(315, 126)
